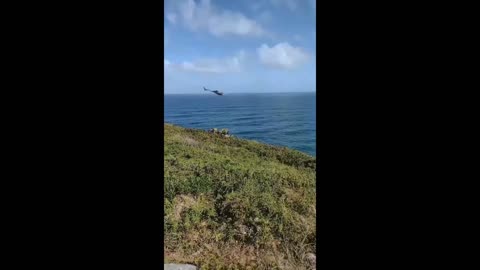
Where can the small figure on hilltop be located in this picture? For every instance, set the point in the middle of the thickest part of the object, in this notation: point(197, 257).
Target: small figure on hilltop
point(224, 132)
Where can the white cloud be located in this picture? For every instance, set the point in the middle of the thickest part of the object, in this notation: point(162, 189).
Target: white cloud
point(282, 55)
point(204, 16)
point(172, 18)
point(226, 65)
point(166, 65)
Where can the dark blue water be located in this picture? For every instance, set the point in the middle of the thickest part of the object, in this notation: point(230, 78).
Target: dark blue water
point(285, 119)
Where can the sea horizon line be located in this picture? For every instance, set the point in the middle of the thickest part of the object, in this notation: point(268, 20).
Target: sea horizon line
point(234, 93)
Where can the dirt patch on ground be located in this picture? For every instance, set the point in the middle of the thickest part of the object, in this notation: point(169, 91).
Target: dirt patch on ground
point(182, 202)
point(185, 139)
point(190, 141)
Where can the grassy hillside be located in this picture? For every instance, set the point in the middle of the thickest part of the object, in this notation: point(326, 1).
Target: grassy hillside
point(237, 204)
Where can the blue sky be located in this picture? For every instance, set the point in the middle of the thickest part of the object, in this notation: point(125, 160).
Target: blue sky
point(239, 46)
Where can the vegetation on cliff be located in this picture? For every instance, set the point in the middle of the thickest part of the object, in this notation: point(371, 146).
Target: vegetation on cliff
point(237, 204)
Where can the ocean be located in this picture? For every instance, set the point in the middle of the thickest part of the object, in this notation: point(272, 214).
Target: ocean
point(283, 119)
